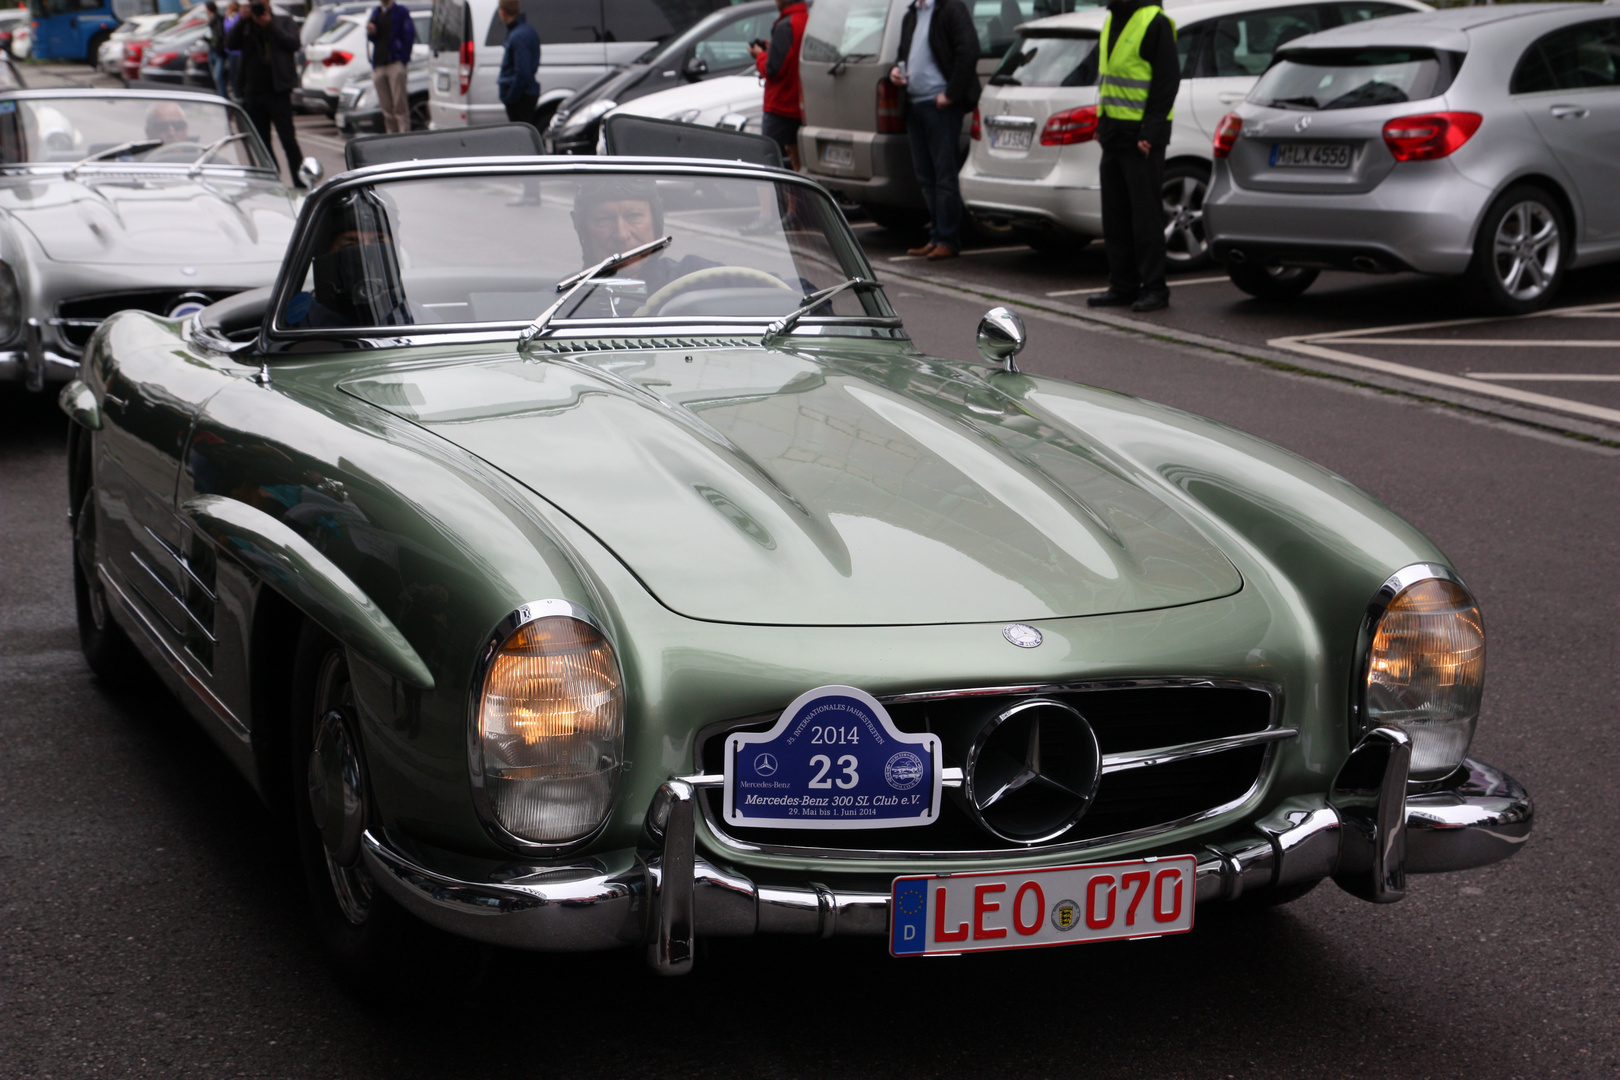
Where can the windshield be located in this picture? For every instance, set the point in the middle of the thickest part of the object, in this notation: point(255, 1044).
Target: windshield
point(839, 29)
point(1038, 60)
point(69, 129)
point(1354, 78)
point(459, 250)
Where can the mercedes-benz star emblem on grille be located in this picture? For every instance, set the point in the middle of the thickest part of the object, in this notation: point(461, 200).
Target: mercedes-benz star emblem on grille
point(1032, 771)
point(1304, 122)
point(1022, 635)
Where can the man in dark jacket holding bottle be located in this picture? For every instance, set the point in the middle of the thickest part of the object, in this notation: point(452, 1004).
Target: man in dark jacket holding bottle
point(938, 66)
point(519, 92)
point(269, 43)
point(1139, 73)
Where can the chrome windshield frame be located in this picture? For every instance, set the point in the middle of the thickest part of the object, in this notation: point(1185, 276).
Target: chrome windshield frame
point(275, 337)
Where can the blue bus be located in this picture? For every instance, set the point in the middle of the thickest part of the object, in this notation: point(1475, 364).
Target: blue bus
point(75, 29)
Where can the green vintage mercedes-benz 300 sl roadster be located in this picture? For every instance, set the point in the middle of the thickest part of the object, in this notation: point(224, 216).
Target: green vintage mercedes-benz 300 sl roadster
point(586, 558)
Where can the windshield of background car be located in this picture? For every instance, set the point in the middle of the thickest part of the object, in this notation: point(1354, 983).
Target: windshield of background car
point(460, 250)
point(1049, 60)
point(69, 129)
point(1354, 78)
point(844, 29)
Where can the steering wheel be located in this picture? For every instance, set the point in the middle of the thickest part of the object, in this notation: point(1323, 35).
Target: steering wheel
point(697, 279)
point(180, 151)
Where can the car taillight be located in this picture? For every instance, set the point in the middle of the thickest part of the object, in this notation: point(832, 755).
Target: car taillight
point(199, 57)
point(159, 59)
point(1070, 126)
point(891, 119)
point(1226, 133)
point(337, 58)
point(1429, 135)
point(466, 66)
point(975, 133)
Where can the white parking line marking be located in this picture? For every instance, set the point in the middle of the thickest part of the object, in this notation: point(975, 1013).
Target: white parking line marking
point(1174, 282)
point(1541, 377)
point(975, 251)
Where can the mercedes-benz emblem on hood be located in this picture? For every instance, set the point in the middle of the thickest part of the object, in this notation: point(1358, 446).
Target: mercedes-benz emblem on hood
point(1022, 635)
point(1032, 771)
point(1304, 122)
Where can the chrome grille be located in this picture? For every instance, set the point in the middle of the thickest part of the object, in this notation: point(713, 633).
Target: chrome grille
point(1136, 796)
point(78, 318)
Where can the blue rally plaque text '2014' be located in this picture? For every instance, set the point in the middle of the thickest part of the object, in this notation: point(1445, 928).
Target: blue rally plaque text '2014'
point(834, 760)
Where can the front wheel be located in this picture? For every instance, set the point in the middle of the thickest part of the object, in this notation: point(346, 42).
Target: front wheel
point(1270, 282)
point(108, 650)
point(1186, 242)
point(1520, 253)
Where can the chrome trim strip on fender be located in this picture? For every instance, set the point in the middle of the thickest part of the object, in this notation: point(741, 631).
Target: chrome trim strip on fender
point(173, 659)
point(313, 583)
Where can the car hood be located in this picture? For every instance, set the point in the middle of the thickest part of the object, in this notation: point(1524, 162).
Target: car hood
point(755, 486)
point(153, 219)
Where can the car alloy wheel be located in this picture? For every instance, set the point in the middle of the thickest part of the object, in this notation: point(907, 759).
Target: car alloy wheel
point(337, 789)
point(1186, 242)
point(1526, 251)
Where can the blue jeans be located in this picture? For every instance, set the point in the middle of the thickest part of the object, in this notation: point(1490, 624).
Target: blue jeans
point(216, 68)
point(936, 136)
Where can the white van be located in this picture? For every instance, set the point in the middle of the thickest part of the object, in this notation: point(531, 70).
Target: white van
point(580, 41)
point(1033, 158)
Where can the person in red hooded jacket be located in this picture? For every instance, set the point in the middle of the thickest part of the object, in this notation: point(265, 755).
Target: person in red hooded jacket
point(779, 66)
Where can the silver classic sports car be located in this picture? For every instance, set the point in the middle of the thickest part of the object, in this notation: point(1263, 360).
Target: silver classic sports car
point(126, 199)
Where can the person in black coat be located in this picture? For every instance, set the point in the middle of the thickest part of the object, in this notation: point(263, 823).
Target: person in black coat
point(268, 74)
point(939, 71)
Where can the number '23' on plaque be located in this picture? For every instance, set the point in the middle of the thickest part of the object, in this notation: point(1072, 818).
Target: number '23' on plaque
point(833, 760)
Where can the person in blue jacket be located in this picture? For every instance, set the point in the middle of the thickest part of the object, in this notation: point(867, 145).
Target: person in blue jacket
point(391, 35)
point(519, 91)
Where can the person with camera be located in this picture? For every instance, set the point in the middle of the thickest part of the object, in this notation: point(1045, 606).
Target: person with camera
point(778, 65)
point(269, 44)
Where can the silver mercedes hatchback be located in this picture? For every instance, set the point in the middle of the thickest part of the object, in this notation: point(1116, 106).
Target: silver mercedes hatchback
point(1475, 141)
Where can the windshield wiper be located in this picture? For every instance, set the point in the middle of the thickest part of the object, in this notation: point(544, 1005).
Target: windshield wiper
point(780, 327)
point(583, 278)
point(211, 149)
point(838, 65)
point(1287, 102)
point(134, 146)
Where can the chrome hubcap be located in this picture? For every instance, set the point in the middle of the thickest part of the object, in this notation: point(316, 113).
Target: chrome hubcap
point(1184, 238)
point(337, 795)
point(1527, 249)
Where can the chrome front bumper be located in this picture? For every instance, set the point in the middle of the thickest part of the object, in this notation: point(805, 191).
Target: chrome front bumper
point(1367, 834)
point(34, 365)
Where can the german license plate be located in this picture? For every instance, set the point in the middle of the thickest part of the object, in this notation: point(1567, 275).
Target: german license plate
point(840, 154)
point(833, 760)
point(1310, 155)
point(1011, 138)
point(959, 913)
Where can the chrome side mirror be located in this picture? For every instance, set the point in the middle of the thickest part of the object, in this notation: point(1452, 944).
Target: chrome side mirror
point(310, 172)
point(1001, 337)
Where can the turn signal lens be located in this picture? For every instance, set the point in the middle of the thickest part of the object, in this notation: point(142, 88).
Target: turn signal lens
point(551, 730)
point(1426, 673)
point(1070, 127)
point(976, 132)
point(1429, 136)
point(1226, 133)
point(465, 68)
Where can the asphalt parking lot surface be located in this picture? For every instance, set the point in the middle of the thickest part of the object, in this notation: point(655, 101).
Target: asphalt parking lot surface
point(151, 922)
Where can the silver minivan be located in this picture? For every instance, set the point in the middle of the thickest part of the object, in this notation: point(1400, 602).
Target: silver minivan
point(580, 41)
point(854, 135)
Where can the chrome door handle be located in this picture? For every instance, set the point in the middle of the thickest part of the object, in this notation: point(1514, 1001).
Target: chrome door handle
point(1568, 112)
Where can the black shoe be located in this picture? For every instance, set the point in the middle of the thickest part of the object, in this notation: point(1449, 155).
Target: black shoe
point(1152, 301)
point(1111, 298)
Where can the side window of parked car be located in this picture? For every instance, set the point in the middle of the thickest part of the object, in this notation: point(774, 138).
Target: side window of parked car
point(450, 18)
point(559, 22)
point(1574, 58)
point(1361, 12)
point(1191, 45)
point(1243, 44)
point(727, 47)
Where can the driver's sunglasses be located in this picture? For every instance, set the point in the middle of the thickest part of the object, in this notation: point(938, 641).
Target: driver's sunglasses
point(157, 126)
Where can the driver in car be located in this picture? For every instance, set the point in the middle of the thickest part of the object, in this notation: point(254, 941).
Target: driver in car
point(618, 213)
point(166, 123)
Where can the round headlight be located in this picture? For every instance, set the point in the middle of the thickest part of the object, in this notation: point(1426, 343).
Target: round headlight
point(1425, 670)
point(550, 728)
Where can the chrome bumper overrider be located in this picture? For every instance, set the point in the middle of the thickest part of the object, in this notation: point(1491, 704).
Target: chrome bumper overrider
point(34, 365)
point(1367, 834)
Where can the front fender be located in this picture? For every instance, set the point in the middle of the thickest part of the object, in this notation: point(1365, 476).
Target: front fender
point(310, 581)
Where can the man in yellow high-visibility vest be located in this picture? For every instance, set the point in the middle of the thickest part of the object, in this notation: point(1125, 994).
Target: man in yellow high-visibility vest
point(1139, 73)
